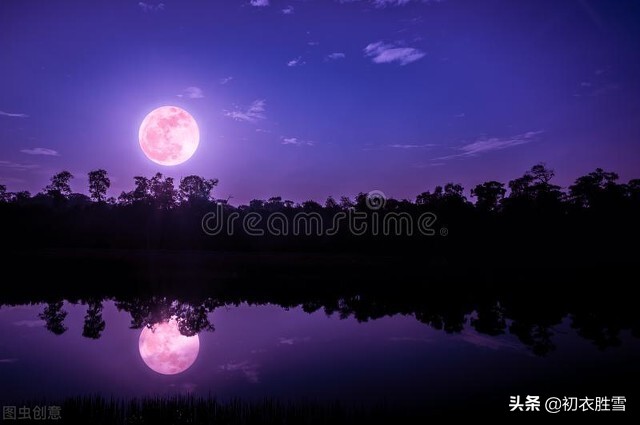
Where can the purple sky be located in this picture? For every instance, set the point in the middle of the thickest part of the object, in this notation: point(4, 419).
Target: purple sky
point(306, 99)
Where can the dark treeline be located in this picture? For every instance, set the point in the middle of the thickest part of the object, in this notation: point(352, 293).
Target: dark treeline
point(532, 316)
point(530, 220)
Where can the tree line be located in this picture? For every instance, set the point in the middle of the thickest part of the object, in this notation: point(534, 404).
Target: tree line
point(598, 189)
point(530, 220)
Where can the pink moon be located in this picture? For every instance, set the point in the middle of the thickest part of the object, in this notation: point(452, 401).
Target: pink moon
point(169, 135)
point(165, 350)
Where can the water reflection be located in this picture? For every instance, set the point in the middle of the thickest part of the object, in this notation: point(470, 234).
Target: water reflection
point(165, 350)
point(324, 348)
point(532, 321)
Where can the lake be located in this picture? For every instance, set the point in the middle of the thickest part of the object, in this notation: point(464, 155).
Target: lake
point(309, 352)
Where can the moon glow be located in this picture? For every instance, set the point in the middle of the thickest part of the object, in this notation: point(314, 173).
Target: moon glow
point(165, 350)
point(169, 135)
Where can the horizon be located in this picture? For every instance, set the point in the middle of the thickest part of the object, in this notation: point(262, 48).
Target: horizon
point(466, 190)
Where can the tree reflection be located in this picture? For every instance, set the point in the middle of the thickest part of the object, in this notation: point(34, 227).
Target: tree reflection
point(192, 318)
point(53, 316)
point(531, 319)
point(93, 322)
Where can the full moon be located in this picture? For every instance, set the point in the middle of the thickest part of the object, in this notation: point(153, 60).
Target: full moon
point(165, 350)
point(169, 135)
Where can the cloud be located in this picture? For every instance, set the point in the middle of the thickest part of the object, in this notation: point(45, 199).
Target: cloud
point(40, 151)
point(591, 90)
point(386, 3)
point(399, 146)
point(296, 141)
point(380, 52)
point(313, 43)
point(17, 166)
point(8, 360)
point(249, 370)
point(293, 340)
point(225, 80)
point(489, 144)
point(254, 113)
point(460, 115)
point(262, 130)
point(260, 3)
point(9, 114)
point(148, 7)
point(287, 10)
point(492, 343)
point(296, 62)
point(335, 56)
point(29, 323)
point(192, 93)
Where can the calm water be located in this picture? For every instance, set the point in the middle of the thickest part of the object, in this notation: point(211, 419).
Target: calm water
point(258, 351)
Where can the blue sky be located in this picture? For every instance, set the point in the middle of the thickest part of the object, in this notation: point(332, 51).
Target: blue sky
point(306, 99)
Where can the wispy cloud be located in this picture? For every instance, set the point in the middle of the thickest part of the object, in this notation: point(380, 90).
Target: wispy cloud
point(380, 52)
point(192, 93)
point(260, 3)
point(225, 80)
point(293, 340)
point(296, 141)
point(249, 370)
point(400, 146)
point(484, 145)
point(40, 151)
point(13, 115)
point(460, 115)
point(287, 10)
point(492, 343)
point(296, 62)
point(8, 360)
point(313, 43)
point(262, 130)
point(148, 7)
point(391, 3)
point(29, 323)
point(335, 56)
point(253, 113)
point(17, 166)
point(385, 3)
point(591, 90)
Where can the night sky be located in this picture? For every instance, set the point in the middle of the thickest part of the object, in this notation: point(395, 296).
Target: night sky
point(306, 99)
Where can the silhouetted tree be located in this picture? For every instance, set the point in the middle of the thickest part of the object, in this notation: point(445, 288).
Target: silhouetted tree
point(633, 188)
point(428, 198)
point(489, 195)
point(256, 204)
point(99, 183)
point(535, 187)
point(3, 193)
point(331, 203)
point(194, 189)
point(346, 202)
point(311, 206)
point(54, 316)
point(595, 189)
point(93, 322)
point(59, 188)
point(274, 203)
point(163, 192)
